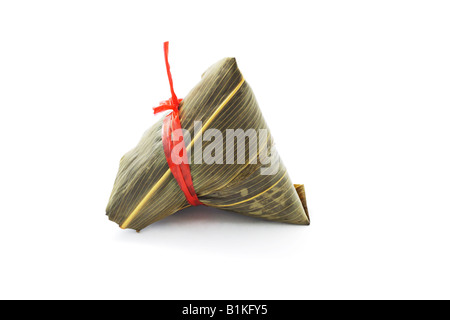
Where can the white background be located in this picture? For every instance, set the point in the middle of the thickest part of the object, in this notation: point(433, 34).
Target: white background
point(356, 94)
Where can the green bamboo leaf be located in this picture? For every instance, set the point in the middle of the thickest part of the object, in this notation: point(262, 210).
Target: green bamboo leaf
point(145, 190)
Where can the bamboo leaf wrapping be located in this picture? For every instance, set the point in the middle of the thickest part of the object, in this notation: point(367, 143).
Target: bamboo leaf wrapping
point(145, 190)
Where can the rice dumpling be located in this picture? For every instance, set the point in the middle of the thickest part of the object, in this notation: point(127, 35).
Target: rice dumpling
point(233, 163)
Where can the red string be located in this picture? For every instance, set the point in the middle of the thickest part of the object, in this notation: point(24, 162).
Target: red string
point(182, 171)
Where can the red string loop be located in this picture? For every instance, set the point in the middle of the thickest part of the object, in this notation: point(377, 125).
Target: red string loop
point(181, 171)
